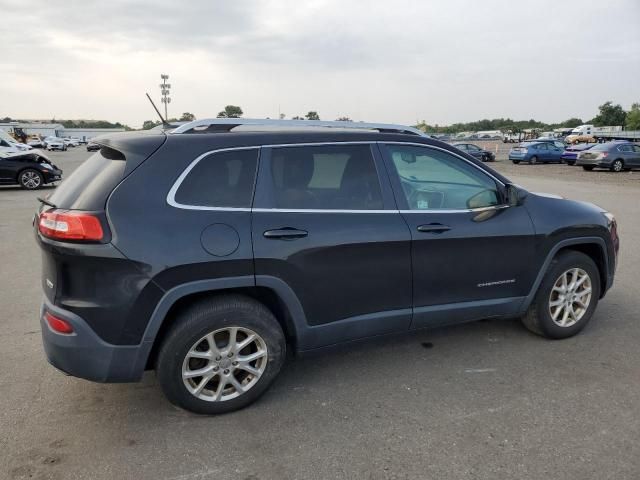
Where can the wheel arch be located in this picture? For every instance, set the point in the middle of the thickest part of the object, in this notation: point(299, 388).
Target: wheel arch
point(275, 294)
point(594, 247)
point(27, 167)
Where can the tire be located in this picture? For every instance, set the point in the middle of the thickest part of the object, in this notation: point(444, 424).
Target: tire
point(516, 162)
point(533, 160)
point(588, 168)
point(617, 165)
point(538, 317)
point(30, 179)
point(484, 158)
point(189, 333)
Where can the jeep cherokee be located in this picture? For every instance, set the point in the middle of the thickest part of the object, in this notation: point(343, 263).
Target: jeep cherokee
point(206, 252)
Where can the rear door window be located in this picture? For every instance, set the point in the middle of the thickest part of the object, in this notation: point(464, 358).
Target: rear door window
point(325, 177)
point(222, 180)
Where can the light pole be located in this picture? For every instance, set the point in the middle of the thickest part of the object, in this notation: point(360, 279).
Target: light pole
point(164, 89)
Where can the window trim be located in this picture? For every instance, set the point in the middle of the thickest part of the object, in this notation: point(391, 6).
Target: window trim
point(176, 185)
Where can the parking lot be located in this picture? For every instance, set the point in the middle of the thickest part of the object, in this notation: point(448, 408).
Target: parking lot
point(482, 400)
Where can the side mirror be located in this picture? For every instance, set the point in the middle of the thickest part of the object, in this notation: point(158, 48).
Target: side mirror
point(515, 195)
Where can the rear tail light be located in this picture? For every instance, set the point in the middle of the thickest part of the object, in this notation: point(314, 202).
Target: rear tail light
point(58, 324)
point(70, 225)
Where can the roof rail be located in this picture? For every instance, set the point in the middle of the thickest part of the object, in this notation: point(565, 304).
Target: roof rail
point(211, 125)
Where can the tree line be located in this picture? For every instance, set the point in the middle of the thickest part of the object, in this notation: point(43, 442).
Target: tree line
point(609, 114)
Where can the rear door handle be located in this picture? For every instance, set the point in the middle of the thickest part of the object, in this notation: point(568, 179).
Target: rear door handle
point(433, 228)
point(286, 233)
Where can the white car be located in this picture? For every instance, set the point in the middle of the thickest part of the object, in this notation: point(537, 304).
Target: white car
point(35, 143)
point(70, 142)
point(6, 147)
point(55, 143)
point(8, 144)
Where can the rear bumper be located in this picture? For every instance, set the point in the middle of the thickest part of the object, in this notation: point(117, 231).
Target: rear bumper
point(85, 355)
point(594, 162)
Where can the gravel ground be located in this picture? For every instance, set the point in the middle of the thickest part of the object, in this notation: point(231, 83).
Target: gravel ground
point(553, 170)
point(486, 400)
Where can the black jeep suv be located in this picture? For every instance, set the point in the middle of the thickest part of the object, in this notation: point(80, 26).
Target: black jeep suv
point(207, 252)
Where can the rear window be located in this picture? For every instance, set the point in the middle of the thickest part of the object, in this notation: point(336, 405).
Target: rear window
point(602, 147)
point(222, 179)
point(88, 187)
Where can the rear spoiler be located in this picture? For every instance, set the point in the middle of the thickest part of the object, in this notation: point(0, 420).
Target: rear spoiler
point(136, 147)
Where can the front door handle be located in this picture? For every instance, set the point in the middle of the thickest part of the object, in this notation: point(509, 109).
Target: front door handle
point(286, 233)
point(434, 228)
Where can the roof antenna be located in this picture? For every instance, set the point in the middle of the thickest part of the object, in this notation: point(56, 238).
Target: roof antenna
point(164, 122)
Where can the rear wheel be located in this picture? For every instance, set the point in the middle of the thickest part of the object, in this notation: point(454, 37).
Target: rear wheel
point(220, 355)
point(30, 179)
point(588, 168)
point(566, 298)
point(617, 165)
point(533, 160)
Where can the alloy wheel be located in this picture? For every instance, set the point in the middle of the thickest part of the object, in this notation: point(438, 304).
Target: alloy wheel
point(224, 364)
point(570, 297)
point(30, 180)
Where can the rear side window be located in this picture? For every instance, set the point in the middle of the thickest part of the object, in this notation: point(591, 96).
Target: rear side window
point(222, 179)
point(325, 177)
point(88, 187)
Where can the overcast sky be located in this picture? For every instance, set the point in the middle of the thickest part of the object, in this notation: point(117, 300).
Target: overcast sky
point(390, 61)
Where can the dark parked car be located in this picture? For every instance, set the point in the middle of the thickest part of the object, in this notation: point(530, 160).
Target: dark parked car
point(476, 152)
point(615, 156)
point(92, 147)
point(29, 170)
point(534, 152)
point(571, 152)
point(207, 252)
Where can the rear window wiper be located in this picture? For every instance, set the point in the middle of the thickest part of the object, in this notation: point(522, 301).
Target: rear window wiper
point(46, 202)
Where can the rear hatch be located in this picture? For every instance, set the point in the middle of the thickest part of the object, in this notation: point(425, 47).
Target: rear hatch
point(77, 271)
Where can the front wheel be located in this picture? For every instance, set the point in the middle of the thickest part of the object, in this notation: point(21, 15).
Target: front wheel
point(220, 355)
point(30, 179)
point(533, 160)
point(566, 298)
point(516, 162)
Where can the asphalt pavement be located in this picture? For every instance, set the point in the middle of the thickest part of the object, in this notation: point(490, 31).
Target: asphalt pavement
point(486, 400)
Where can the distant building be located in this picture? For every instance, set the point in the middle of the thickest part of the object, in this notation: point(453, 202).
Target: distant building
point(42, 129)
point(57, 130)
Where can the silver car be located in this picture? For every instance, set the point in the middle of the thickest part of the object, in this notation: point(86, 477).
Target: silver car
point(615, 156)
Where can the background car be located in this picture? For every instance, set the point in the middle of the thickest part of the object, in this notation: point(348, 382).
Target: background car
point(92, 147)
point(534, 152)
point(476, 151)
point(54, 143)
point(571, 152)
point(35, 143)
point(29, 170)
point(554, 141)
point(616, 156)
point(70, 142)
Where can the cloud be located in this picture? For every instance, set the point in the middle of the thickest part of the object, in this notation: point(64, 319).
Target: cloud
point(443, 61)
